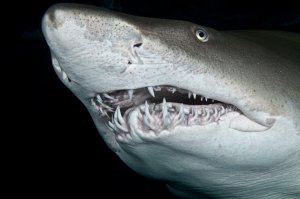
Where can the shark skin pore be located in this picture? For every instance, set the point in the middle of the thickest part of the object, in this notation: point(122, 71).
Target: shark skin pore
point(212, 113)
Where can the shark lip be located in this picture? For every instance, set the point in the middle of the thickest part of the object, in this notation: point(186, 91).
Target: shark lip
point(159, 108)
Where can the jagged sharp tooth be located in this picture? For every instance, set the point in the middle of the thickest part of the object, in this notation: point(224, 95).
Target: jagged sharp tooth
point(205, 98)
point(93, 102)
point(110, 110)
point(110, 128)
point(130, 94)
point(102, 115)
point(181, 110)
point(110, 124)
point(57, 68)
point(106, 106)
point(108, 96)
point(147, 113)
point(186, 110)
point(151, 91)
point(120, 117)
point(165, 108)
point(206, 117)
point(99, 99)
point(189, 95)
point(222, 110)
point(165, 113)
point(180, 116)
point(116, 122)
point(216, 112)
point(64, 75)
point(194, 95)
point(201, 98)
point(173, 90)
point(194, 115)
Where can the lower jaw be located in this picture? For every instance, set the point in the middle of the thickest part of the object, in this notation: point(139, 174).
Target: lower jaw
point(153, 120)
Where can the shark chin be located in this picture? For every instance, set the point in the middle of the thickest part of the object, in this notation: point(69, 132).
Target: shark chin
point(211, 113)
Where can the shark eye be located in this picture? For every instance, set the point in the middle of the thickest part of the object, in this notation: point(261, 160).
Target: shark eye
point(202, 35)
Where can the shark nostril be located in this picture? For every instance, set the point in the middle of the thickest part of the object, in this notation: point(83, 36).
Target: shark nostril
point(51, 17)
point(55, 16)
point(137, 45)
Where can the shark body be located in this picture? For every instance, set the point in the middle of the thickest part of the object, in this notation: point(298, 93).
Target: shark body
point(211, 113)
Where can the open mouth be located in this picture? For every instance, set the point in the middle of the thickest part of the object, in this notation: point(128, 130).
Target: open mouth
point(158, 108)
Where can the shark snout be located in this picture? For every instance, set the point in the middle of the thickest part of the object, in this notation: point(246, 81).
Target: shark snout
point(54, 17)
point(52, 23)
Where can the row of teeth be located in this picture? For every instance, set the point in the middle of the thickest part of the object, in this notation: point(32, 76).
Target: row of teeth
point(173, 90)
point(152, 93)
point(167, 117)
point(104, 108)
point(63, 74)
point(151, 90)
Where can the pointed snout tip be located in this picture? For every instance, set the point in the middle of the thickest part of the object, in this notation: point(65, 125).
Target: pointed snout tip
point(54, 16)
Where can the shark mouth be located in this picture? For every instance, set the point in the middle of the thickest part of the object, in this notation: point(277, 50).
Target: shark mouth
point(157, 108)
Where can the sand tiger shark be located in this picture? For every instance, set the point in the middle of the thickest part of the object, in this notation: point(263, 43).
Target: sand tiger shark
point(211, 113)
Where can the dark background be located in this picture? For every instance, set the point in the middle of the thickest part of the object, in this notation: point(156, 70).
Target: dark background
point(61, 154)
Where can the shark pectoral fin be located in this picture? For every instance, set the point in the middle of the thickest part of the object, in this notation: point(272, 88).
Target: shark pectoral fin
point(242, 123)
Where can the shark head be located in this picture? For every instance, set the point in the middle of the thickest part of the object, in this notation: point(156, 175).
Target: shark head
point(206, 111)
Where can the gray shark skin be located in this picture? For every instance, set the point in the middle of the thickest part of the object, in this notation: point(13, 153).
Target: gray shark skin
point(211, 113)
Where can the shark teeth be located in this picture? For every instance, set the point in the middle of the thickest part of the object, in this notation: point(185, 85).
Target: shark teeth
point(108, 96)
point(118, 121)
point(194, 95)
point(147, 113)
point(155, 118)
point(166, 116)
point(99, 105)
point(64, 75)
point(59, 70)
point(130, 93)
point(151, 91)
point(148, 119)
point(99, 99)
point(170, 89)
point(107, 102)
